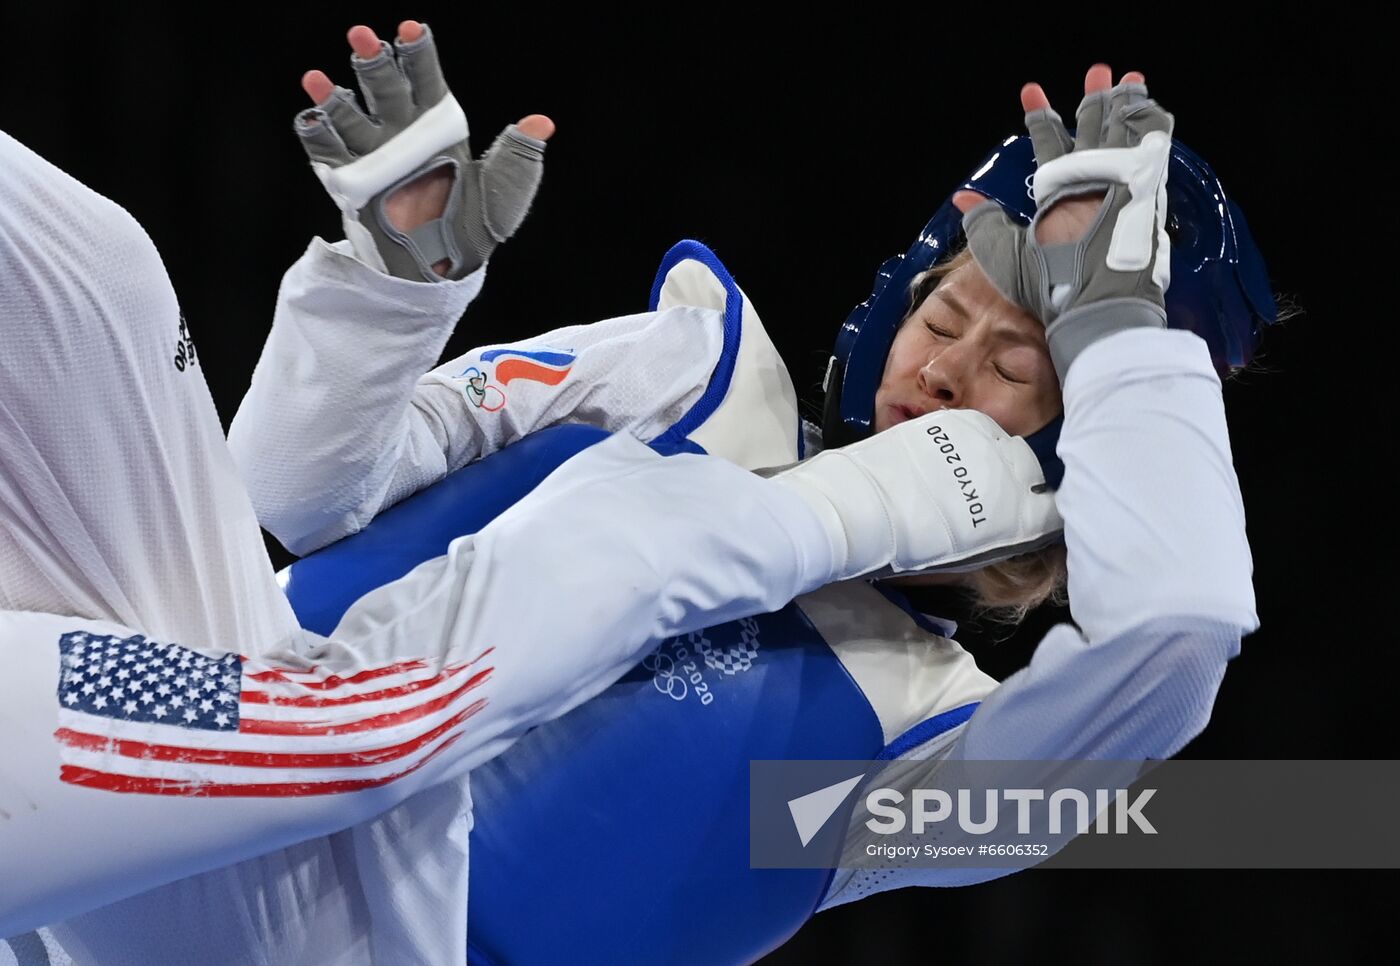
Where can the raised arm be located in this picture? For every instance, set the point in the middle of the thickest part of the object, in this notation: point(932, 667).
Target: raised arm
point(1159, 565)
point(348, 411)
point(341, 420)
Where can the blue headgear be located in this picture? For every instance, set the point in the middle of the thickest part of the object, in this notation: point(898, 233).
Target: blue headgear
point(1219, 286)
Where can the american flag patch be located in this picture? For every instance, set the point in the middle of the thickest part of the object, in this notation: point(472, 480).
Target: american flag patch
point(143, 717)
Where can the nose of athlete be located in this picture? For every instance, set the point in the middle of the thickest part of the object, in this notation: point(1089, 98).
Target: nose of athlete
point(944, 377)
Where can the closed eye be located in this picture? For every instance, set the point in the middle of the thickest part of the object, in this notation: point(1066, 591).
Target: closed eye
point(940, 332)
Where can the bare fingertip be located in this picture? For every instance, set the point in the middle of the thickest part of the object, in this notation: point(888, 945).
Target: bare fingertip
point(537, 126)
point(1098, 78)
point(363, 41)
point(966, 200)
point(1033, 98)
point(317, 86)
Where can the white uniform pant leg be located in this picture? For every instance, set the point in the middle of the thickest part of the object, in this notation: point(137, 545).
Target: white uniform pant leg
point(119, 501)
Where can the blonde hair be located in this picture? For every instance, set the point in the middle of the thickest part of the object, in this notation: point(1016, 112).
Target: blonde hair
point(1006, 591)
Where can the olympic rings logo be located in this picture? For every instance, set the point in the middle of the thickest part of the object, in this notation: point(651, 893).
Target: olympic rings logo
point(664, 676)
point(480, 392)
point(678, 666)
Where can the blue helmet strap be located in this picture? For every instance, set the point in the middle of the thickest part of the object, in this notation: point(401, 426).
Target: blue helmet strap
point(1042, 443)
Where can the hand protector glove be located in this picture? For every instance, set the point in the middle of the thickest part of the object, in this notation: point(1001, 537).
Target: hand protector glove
point(1115, 277)
point(416, 126)
point(947, 491)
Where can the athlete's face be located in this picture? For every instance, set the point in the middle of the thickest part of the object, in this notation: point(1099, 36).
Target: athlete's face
point(967, 347)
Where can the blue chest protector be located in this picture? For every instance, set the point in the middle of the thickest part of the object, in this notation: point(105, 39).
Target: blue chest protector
point(618, 833)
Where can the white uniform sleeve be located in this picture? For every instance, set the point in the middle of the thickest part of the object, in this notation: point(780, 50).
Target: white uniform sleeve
point(1159, 565)
point(597, 540)
point(340, 407)
point(1159, 575)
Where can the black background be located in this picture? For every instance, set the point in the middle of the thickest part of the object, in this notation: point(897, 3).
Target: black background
point(804, 149)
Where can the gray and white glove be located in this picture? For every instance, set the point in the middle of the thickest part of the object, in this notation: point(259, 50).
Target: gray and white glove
point(1116, 276)
point(414, 126)
point(947, 491)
